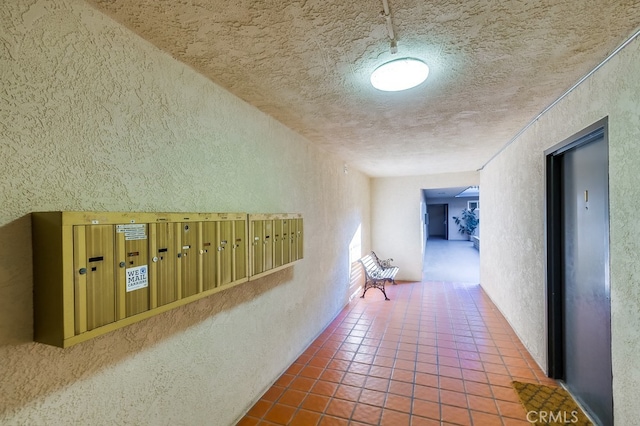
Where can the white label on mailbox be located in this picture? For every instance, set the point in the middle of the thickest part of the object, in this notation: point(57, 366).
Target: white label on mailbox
point(136, 231)
point(137, 278)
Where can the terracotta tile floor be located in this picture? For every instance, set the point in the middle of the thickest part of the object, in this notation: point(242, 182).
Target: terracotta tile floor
point(436, 354)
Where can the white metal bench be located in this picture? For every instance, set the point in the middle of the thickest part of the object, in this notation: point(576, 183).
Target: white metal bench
point(377, 273)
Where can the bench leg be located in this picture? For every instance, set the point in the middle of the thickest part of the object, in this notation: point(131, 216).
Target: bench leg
point(384, 292)
point(380, 287)
point(366, 287)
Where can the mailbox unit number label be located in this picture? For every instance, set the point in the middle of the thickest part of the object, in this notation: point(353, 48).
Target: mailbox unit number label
point(134, 231)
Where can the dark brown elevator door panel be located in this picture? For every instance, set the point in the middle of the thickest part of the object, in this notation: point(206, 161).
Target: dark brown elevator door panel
point(587, 310)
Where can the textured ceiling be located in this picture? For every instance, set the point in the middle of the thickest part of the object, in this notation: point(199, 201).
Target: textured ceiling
point(495, 64)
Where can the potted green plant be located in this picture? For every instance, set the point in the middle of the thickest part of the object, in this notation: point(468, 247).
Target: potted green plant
point(467, 221)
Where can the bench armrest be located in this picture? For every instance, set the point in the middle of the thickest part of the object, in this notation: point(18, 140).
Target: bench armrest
point(386, 263)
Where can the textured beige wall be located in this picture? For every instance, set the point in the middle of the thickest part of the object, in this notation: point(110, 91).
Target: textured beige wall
point(512, 226)
point(396, 219)
point(92, 117)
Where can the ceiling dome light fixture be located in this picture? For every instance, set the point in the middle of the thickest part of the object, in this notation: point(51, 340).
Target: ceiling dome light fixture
point(399, 74)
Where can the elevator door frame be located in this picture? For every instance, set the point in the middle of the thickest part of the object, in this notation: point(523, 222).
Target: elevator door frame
point(555, 247)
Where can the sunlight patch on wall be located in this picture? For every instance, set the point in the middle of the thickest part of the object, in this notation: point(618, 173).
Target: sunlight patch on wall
point(355, 269)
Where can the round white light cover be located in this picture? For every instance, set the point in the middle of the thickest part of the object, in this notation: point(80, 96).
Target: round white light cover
point(399, 74)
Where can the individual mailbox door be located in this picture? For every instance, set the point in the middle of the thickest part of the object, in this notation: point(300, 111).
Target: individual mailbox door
point(188, 258)
point(277, 243)
point(225, 252)
point(239, 250)
point(165, 260)
point(94, 264)
point(268, 243)
point(257, 246)
point(133, 268)
point(208, 252)
point(286, 247)
point(293, 247)
point(300, 238)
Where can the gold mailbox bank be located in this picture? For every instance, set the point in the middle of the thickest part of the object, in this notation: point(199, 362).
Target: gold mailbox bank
point(276, 242)
point(96, 272)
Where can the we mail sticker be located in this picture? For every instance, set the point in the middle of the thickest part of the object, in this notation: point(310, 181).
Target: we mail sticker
point(137, 278)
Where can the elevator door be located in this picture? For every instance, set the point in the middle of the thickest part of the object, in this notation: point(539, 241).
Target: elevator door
point(587, 307)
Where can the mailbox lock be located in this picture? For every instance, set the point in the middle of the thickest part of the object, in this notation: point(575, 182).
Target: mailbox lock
point(82, 271)
point(122, 264)
point(179, 254)
point(155, 259)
